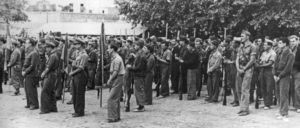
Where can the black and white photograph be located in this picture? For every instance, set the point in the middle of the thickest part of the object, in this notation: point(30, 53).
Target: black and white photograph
point(150, 63)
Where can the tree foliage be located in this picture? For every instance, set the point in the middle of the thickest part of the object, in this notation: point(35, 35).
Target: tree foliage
point(11, 11)
point(212, 15)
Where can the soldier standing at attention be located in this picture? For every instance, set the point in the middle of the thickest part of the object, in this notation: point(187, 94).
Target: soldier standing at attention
point(214, 71)
point(15, 66)
point(164, 68)
point(92, 64)
point(244, 64)
point(31, 74)
point(139, 73)
point(150, 73)
point(283, 70)
point(115, 81)
point(49, 76)
point(80, 77)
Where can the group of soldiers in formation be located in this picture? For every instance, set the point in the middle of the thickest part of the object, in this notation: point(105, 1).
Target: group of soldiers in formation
point(269, 66)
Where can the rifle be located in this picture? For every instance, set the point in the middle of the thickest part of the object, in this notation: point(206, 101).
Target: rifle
point(65, 63)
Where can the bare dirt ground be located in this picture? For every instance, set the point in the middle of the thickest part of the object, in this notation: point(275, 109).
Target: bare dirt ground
point(164, 113)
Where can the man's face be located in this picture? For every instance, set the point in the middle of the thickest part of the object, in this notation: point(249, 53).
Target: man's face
point(181, 42)
point(275, 42)
point(136, 47)
point(266, 46)
point(281, 44)
point(163, 46)
point(244, 38)
point(259, 41)
point(145, 49)
point(48, 49)
point(27, 44)
point(109, 50)
point(197, 44)
point(293, 42)
point(189, 47)
point(77, 46)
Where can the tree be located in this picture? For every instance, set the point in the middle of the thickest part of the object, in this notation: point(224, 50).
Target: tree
point(274, 17)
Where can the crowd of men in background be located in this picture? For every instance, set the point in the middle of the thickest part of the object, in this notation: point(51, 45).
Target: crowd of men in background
point(269, 66)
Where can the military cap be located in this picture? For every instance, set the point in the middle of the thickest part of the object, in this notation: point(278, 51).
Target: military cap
point(15, 42)
point(78, 41)
point(246, 32)
point(140, 43)
point(50, 44)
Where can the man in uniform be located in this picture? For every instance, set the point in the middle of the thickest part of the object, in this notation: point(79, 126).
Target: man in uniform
point(49, 76)
point(191, 63)
point(2, 40)
point(283, 70)
point(175, 65)
point(15, 66)
point(115, 81)
point(164, 68)
point(139, 73)
point(30, 72)
point(92, 64)
point(266, 77)
point(244, 64)
point(150, 73)
point(80, 78)
point(214, 72)
point(294, 40)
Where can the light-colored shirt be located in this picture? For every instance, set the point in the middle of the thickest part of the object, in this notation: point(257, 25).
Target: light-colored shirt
point(117, 65)
point(267, 56)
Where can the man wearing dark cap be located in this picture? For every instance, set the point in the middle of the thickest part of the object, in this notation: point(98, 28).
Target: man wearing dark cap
point(244, 64)
point(49, 76)
point(139, 73)
point(92, 64)
point(15, 65)
point(115, 81)
point(80, 78)
point(214, 71)
point(175, 65)
point(31, 74)
point(42, 55)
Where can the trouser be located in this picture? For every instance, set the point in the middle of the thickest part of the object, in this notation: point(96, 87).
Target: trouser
point(204, 74)
point(296, 81)
point(164, 91)
point(232, 81)
point(1, 79)
point(59, 84)
point(175, 78)
point(91, 80)
point(255, 82)
point(243, 88)
point(148, 88)
point(48, 100)
point(78, 92)
point(199, 79)
point(213, 85)
point(139, 90)
point(31, 84)
point(284, 85)
point(15, 78)
point(184, 80)
point(113, 102)
point(191, 83)
point(267, 83)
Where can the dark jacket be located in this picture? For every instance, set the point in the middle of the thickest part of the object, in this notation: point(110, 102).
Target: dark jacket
point(92, 61)
point(284, 63)
point(31, 64)
point(140, 65)
point(192, 61)
point(297, 59)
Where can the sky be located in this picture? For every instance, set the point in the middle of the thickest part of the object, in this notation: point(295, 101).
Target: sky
point(90, 3)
